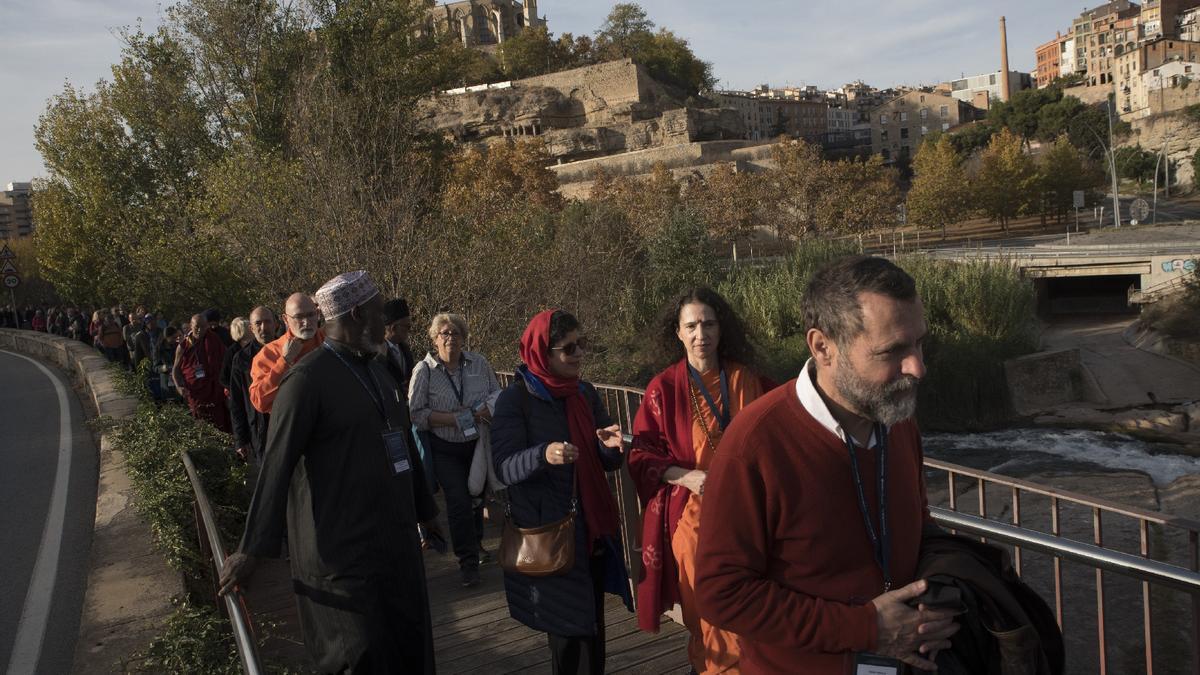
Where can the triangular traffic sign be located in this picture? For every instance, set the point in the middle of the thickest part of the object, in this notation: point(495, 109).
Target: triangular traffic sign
point(6, 253)
point(8, 268)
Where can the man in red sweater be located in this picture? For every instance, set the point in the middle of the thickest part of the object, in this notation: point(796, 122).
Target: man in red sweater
point(815, 502)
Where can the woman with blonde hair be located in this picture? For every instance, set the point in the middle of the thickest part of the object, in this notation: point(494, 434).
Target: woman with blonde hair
point(448, 396)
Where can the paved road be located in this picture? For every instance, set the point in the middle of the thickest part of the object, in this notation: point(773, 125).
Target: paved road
point(1125, 374)
point(47, 508)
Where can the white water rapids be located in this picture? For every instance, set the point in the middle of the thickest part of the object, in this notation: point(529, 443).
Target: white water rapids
point(1020, 452)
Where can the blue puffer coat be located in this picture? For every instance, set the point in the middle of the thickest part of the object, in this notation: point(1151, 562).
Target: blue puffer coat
point(524, 423)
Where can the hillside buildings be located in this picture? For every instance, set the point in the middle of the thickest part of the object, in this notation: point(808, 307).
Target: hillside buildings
point(16, 217)
point(899, 126)
point(1141, 54)
point(983, 90)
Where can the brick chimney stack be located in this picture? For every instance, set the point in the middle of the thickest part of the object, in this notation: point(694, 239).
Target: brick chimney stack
point(1003, 62)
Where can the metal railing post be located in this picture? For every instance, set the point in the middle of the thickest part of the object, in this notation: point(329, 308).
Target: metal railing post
point(243, 631)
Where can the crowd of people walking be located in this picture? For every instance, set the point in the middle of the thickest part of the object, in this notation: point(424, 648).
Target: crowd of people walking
point(787, 522)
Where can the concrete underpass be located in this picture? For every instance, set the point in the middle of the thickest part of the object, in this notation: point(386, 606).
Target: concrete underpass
point(1074, 295)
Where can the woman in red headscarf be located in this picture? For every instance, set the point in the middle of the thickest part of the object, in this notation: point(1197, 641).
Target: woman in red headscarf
point(678, 428)
point(551, 438)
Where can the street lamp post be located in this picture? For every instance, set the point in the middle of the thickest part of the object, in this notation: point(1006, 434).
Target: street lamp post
point(1110, 152)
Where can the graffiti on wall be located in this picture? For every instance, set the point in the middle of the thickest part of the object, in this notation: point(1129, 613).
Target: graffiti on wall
point(1179, 265)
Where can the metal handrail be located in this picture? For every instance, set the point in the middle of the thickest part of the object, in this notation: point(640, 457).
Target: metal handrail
point(243, 632)
point(1069, 549)
point(1036, 488)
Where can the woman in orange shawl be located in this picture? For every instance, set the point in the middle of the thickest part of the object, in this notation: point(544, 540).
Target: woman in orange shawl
point(678, 430)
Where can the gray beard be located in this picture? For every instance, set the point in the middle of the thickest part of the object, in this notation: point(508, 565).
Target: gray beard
point(307, 334)
point(889, 404)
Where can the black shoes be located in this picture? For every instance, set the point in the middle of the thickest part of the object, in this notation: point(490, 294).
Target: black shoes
point(470, 577)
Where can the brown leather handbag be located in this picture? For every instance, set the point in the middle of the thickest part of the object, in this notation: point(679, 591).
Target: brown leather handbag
point(540, 551)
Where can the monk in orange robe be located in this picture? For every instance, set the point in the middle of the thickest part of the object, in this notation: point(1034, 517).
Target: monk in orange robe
point(302, 318)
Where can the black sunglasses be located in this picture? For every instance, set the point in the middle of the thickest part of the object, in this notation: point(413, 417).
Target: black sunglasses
point(570, 348)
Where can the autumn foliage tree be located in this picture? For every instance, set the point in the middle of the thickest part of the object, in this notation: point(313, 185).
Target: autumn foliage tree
point(1005, 179)
point(940, 193)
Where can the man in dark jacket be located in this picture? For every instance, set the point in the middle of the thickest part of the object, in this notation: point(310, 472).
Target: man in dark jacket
point(398, 323)
point(1007, 629)
point(249, 425)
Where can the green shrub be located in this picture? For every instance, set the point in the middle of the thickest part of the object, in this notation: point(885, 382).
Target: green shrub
point(196, 639)
point(152, 440)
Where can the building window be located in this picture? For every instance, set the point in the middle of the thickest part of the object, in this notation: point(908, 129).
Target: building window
point(883, 119)
point(945, 126)
point(944, 112)
point(903, 117)
point(924, 113)
point(883, 136)
point(991, 79)
point(887, 154)
point(924, 130)
point(903, 132)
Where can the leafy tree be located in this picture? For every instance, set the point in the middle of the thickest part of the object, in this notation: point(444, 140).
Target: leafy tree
point(535, 52)
point(488, 184)
point(245, 56)
point(973, 137)
point(625, 32)
point(940, 192)
point(729, 201)
point(629, 33)
point(1022, 114)
point(1135, 163)
point(795, 187)
point(1060, 172)
point(1005, 177)
point(859, 195)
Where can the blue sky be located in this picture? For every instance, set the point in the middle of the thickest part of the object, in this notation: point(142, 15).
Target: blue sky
point(46, 43)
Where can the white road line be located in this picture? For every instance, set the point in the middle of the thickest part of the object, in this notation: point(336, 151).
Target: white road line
point(35, 615)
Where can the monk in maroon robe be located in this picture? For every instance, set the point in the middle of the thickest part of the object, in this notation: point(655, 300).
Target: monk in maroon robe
point(197, 367)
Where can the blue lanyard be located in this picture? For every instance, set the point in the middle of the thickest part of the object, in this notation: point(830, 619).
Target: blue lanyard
point(458, 391)
point(881, 541)
point(375, 396)
point(722, 413)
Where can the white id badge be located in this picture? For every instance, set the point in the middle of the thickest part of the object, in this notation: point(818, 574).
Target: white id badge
point(397, 450)
point(199, 372)
point(871, 664)
point(466, 424)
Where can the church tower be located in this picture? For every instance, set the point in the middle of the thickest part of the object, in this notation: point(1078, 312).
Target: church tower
point(531, 16)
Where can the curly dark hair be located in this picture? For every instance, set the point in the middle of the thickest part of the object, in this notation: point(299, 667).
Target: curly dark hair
point(562, 323)
point(734, 344)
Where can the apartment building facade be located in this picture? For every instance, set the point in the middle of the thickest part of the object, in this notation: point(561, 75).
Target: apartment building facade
point(899, 126)
point(16, 215)
point(769, 113)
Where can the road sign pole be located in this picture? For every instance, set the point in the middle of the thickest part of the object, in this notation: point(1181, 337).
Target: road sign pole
point(12, 295)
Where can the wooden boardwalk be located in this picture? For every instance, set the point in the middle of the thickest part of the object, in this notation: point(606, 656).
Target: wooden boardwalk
point(472, 630)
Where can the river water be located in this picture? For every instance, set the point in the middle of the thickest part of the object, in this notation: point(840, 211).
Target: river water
point(1023, 452)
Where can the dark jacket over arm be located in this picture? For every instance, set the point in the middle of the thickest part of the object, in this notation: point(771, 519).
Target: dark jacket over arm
point(540, 493)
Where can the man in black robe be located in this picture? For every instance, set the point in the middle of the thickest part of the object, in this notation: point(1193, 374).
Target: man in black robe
point(338, 463)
